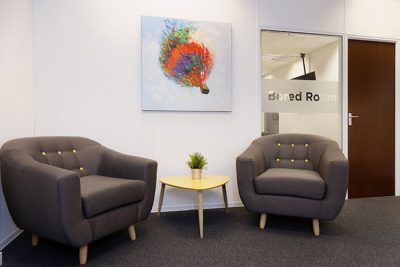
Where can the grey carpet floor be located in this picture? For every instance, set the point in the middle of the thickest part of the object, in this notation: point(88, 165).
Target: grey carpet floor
point(366, 233)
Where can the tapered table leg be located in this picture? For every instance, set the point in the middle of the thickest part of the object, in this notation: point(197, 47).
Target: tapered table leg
point(161, 199)
point(225, 198)
point(200, 193)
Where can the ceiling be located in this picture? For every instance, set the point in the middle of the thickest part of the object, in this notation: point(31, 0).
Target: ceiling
point(281, 48)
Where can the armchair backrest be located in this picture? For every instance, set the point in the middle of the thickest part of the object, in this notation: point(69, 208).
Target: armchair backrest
point(77, 154)
point(293, 151)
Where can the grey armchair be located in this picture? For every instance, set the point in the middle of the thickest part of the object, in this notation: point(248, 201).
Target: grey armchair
point(294, 175)
point(73, 190)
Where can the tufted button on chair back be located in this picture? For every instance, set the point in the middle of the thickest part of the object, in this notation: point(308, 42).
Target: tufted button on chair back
point(293, 151)
point(77, 154)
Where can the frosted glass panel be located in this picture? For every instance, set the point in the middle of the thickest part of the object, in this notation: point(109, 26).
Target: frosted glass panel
point(300, 84)
point(299, 96)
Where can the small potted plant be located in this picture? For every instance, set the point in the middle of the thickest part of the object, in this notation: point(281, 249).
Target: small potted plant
point(197, 162)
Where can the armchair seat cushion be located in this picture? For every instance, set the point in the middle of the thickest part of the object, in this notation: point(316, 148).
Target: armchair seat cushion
point(102, 193)
point(291, 182)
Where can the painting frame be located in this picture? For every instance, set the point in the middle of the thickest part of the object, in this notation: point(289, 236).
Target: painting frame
point(185, 65)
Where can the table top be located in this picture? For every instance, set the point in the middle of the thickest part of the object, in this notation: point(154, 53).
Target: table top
point(186, 182)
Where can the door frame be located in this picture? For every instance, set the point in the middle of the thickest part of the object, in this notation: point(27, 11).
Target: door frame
point(345, 144)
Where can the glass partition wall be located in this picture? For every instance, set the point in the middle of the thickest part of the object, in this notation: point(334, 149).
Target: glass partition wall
point(301, 83)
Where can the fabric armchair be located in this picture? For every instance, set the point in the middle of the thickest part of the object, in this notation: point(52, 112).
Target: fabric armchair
point(294, 175)
point(73, 190)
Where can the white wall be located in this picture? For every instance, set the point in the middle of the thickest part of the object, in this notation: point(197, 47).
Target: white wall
point(87, 81)
point(373, 18)
point(305, 15)
point(16, 86)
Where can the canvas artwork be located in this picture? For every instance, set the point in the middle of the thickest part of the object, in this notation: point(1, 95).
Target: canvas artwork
point(186, 65)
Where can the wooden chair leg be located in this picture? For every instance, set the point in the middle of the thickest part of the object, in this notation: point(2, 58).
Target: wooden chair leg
point(263, 220)
point(132, 232)
point(315, 224)
point(35, 240)
point(83, 251)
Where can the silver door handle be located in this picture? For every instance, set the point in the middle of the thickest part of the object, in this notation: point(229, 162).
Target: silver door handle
point(351, 116)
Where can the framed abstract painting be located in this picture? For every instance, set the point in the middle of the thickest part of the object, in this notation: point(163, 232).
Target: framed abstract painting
point(186, 65)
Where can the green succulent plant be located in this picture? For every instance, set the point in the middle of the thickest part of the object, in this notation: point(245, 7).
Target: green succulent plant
point(197, 161)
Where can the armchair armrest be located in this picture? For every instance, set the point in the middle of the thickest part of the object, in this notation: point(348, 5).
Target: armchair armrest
point(250, 164)
point(44, 199)
point(334, 169)
point(115, 164)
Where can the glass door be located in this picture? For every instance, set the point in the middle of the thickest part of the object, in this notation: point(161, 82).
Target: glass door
point(301, 84)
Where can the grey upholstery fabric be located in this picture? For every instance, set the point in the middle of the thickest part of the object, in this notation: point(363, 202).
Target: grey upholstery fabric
point(100, 193)
point(294, 151)
point(290, 182)
point(41, 179)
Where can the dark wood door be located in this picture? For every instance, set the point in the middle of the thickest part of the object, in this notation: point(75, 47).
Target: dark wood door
point(371, 88)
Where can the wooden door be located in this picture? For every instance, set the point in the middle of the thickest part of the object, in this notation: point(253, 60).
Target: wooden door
point(371, 91)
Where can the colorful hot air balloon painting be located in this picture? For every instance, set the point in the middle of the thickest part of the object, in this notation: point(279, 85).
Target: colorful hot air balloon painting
point(184, 57)
point(185, 65)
